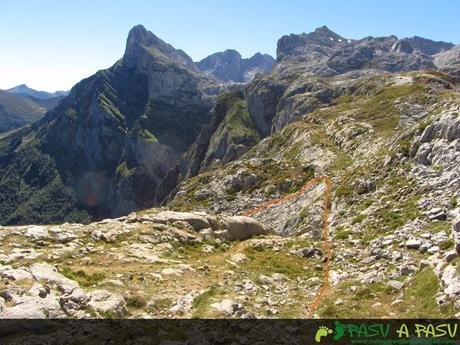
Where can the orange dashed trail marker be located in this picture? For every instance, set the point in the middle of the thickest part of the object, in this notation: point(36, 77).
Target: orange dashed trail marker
point(314, 305)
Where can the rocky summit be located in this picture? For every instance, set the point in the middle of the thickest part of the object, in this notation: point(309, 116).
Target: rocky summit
point(128, 199)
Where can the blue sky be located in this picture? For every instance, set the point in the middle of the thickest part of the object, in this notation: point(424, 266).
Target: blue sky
point(51, 44)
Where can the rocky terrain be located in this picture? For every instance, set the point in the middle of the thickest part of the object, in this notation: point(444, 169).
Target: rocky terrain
point(229, 66)
point(140, 177)
point(391, 150)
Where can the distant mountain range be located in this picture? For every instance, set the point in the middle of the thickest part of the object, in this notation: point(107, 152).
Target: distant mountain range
point(23, 89)
point(18, 109)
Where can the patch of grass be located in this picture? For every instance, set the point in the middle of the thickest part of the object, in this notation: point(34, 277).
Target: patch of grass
point(107, 314)
point(419, 299)
point(341, 233)
point(395, 217)
point(201, 303)
point(83, 278)
point(357, 304)
point(377, 104)
point(364, 204)
point(294, 152)
point(72, 113)
point(148, 137)
point(194, 251)
point(453, 201)
point(358, 219)
point(439, 226)
point(303, 214)
point(110, 108)
point(159, 304)
point(399, 206)
point(124, 170)
point(344, 191)
point(268, 262)
point(446, 244)
point(404, 146)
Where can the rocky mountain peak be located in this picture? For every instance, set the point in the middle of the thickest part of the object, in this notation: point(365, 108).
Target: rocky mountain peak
point(325, 33)
point(321, 40)
point(229, 66)
point(140, 34)
point(231, 53)
point(143, 45)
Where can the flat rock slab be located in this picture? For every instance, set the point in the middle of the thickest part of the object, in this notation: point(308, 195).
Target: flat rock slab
point(197, 221)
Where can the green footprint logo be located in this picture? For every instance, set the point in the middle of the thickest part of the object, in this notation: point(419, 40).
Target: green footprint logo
point(339, 331)
point(322, 331)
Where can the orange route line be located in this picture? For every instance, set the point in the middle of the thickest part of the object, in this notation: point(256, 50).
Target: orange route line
point(316, 300)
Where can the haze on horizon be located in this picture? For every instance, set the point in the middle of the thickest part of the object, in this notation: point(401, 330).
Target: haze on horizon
point(51, 45)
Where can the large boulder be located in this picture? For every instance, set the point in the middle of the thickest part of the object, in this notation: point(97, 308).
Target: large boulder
point(451, 281)
point(238, 228)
